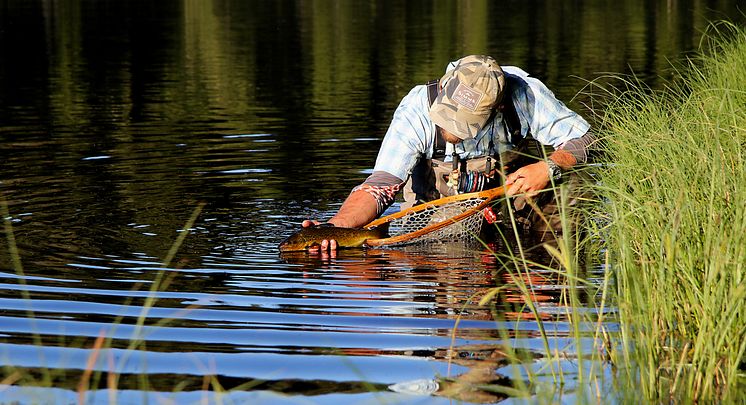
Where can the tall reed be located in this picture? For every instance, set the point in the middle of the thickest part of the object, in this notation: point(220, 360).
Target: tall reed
point(675, 193)
point(577, 368)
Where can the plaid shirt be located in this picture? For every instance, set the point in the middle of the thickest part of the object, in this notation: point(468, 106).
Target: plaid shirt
point(411, 135)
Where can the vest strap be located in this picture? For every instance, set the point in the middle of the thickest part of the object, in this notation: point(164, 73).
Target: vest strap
point(512, 123)
point(439, 150)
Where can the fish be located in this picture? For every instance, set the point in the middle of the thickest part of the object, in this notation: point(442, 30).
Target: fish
point(345, 237)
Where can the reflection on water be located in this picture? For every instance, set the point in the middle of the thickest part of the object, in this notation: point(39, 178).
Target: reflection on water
point(118, 118)
point(295, 323)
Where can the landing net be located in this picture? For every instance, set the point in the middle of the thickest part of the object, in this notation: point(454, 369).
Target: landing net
point(457, 217)
point(467, 228)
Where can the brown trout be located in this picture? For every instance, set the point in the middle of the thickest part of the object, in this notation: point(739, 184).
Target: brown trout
point(345, 237)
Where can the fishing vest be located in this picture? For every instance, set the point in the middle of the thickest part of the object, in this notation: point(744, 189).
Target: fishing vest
point(430, 177)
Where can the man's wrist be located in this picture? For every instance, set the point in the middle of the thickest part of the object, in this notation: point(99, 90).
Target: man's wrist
point(340, 223)
point(555, 171)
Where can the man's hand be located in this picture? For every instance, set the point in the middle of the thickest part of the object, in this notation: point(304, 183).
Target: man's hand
point(529, 179)
point(326, 245)
point(358, 209)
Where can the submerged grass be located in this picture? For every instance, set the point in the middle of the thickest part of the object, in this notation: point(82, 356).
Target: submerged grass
point(91, 375)
point(675, 192)
point(577, 371)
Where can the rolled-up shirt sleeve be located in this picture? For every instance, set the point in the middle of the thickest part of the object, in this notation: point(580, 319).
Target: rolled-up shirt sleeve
point(582, 148)
point(383, 187)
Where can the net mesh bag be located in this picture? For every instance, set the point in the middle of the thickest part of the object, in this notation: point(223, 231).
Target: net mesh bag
point(467, 228)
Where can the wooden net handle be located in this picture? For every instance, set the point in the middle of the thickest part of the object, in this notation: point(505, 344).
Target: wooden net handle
point(487, 194)
point(493, 193)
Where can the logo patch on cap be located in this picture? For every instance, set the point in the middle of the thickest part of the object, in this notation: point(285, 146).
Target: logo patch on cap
point(467, 97)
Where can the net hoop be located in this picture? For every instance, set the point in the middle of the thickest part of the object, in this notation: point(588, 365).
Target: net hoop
point(464, 223)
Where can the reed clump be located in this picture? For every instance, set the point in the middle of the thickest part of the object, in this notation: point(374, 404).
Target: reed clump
point(674, 190)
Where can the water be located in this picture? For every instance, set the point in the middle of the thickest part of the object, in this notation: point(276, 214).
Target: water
point(119, 119)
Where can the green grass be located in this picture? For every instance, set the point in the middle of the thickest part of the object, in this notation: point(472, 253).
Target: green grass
point(574, 256)
point(674, 189)
point(671, 219)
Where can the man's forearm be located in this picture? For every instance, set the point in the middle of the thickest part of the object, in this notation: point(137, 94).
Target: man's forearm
point(581, 148)
point(563, 158)
point(358, 209)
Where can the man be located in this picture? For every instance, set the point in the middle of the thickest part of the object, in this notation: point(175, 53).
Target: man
point(477, 108)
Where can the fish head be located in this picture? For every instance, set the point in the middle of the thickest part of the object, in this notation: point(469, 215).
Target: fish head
point(297, 242)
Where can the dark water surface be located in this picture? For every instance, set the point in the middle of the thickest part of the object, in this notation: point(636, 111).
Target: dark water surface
point(119, 118)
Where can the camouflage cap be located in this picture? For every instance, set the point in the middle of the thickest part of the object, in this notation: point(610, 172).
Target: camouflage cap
point(470, 92)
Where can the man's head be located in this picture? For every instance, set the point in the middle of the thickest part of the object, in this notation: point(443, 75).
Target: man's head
point(470, 92)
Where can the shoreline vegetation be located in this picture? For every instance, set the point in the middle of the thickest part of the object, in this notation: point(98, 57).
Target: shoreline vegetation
point(674, 188)
point(671, 218)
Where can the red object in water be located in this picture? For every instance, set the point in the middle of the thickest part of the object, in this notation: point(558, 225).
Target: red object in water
point(489, 215)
